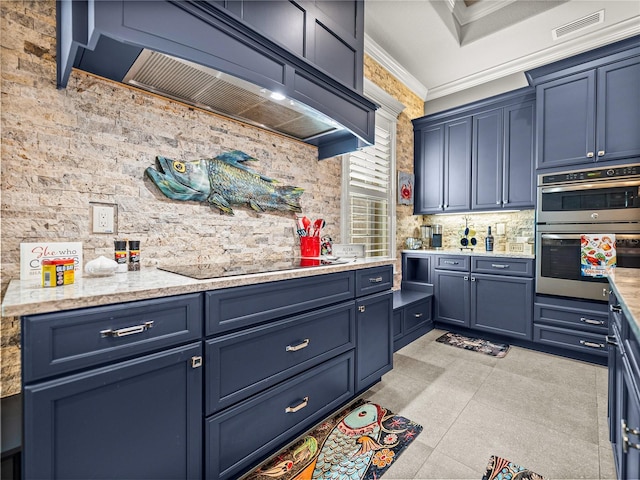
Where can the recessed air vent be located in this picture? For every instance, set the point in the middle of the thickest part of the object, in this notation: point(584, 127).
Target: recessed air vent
point(577, 25)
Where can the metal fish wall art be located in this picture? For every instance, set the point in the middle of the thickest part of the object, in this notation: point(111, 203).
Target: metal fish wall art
point(223, 181)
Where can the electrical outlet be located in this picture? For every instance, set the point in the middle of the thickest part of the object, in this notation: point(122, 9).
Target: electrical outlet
point(104, 219)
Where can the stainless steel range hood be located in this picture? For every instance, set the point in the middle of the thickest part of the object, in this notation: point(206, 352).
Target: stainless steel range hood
point(213, 90)
point(197, 53)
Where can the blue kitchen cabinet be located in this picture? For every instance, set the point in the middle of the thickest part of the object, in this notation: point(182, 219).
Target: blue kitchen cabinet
point(476, 157)
point(443, 167)
point(374, 327)
point(571, 325)
point(140, 418)
point(588, 112)
point(429, 169)
point(502, 158)
point(624, 393)
point(412, 313)
point(452, 298)
point(502, 305)
point(328, 34)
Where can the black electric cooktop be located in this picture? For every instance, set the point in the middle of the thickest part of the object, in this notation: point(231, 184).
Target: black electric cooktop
point(214, 270)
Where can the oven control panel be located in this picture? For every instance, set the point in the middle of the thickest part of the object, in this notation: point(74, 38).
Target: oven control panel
point(590, 175)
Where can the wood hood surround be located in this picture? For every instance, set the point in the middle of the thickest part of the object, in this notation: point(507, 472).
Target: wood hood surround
point(106, 38)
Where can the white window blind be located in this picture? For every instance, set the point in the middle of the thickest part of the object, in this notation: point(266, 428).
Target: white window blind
point(369, 189)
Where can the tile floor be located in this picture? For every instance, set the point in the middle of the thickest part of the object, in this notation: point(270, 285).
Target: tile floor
point(541, 411)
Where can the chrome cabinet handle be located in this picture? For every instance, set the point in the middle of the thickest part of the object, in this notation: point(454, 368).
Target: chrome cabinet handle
point(123, 332)
point(466, 277)
point(497, 265)
point(300, 346)
point(196, 361)
point(449, 262)
point(626, 444)
point(300, 406)
point(615, 308)
point(601, 153)
point(498, 202)
point(591, 322)
point(362, 308)
point(375, 280)
point(417, 315)
point(473, 279)
point(589, 154)
point(611, 340)
point(591, 344)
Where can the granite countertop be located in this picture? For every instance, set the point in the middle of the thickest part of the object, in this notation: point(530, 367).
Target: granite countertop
point(477, 251)
point(625, 283)
point(25, 298)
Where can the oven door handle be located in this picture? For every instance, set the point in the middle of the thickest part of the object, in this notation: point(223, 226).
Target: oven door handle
point(590, 186)
point(562, 236)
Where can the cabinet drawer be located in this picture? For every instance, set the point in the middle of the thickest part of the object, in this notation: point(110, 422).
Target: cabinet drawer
point(459, 263)
point(417, 315)
point(571, 317)
point(515, 267)
point(241, 364)
point(65, 341)
point(592, 343)
point(242, 435)
point(373, 280)
point(238, 307)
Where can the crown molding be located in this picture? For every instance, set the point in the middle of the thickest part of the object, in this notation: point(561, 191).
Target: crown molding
point(583, 43)
point(376, 52)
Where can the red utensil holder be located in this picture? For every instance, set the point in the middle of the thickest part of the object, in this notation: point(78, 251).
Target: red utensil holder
point(310, 246)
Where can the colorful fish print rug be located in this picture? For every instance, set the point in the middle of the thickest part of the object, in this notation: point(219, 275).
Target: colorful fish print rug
point(359, 443)
point(474, 344)
point(502, 469)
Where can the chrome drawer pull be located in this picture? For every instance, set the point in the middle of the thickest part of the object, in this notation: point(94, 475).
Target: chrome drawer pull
point(497, 265)
point(592, 322)
point(615, 308)
point(611, 340)
point(626, 444)
point(591, 344)
point(196, 361)
point(123, 332)
point(449, 262)
point(300, 406)
point(300, 346)
point(417, 315)
point(375, 280)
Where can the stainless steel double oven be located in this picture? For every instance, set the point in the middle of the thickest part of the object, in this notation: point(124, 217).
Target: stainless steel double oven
point(602, 203)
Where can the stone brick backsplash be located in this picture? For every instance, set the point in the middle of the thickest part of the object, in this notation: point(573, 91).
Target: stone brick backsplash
point(517, 224)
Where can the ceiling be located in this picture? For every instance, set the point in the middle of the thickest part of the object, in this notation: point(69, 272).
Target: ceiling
point(443, 47)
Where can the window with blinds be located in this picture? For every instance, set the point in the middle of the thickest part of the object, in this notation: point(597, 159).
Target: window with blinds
point(369, 191)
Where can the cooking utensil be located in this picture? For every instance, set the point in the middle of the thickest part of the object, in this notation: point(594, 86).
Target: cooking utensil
point(317, 226)
point(306, 223)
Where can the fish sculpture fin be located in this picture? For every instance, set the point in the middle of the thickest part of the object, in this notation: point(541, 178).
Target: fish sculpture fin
point(236, 157)
point(173, 189)
point(255, 206)
point(221, 203)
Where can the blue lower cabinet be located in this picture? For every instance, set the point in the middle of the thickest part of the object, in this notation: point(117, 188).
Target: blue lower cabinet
point(246, 433)
point(135, 419)
point(453, 300)
point(374, 337)
point(502, 305)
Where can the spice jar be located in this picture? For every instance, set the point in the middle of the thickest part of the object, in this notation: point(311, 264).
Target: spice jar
point(121, 255)
point(134, 255)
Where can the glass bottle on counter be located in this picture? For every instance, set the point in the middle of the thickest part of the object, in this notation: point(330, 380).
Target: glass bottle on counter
point(488, 241)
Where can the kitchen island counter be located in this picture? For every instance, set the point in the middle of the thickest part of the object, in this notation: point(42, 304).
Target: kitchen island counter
point(25, 298)
point(625, 283)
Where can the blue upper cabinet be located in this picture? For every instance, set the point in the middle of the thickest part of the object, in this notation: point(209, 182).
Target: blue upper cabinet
point(588, 107)
point(443, 167)
point(476, 157)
